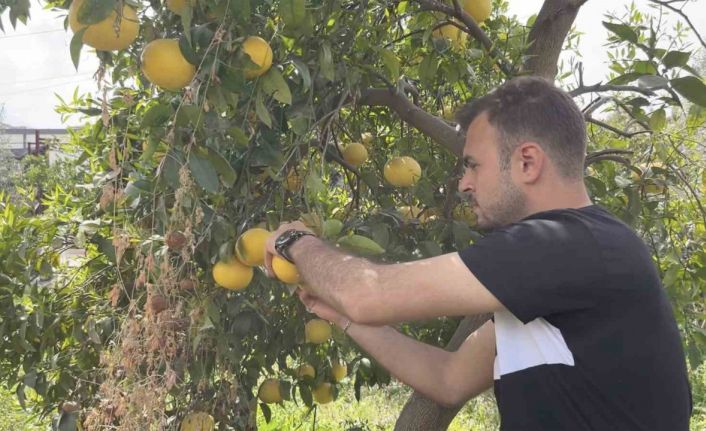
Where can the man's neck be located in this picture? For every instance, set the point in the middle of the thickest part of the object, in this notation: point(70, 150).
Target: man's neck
point(559, 198)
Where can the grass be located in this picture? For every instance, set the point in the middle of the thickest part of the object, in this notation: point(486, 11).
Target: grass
point(379, 408)
point(14, 418)
point(377, 411)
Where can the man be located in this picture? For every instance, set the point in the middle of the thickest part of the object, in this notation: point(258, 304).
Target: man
point(583, 336)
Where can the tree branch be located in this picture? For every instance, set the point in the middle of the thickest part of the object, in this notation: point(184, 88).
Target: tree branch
point(615, 130)
point(472, 28)
point(609, 154)
point(547, 36)
point(668, 5)
point(597, 88)
point(434, 127)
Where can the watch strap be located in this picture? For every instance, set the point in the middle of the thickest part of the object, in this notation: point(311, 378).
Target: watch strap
point(287, 239)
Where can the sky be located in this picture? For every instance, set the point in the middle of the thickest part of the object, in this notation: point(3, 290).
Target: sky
point(35, 63)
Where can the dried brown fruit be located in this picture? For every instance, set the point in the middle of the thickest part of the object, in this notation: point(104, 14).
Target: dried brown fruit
point(175, 240)
point(156, 304)
point(70, 406)
point(187, 284)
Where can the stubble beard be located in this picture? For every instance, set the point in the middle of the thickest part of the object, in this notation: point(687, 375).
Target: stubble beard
point(507, 207)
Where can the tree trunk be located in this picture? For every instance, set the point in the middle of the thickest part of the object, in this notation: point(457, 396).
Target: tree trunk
point(421, 413)
point(546, 40)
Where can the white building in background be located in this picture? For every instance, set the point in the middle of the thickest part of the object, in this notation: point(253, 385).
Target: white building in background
point(21, 141)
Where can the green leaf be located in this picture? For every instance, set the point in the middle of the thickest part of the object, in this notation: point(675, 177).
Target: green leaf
point(156, 115)
point(239, 136)
point(262, 113)
point(392, 63)
point(676, 59)
point(223, 167)
point(430, 249)
point(240, 10)
point(68, 421)
point(293, 12)
point(644, 67)
point(314, 185)
point(326, 62)
point(305, 393)
point(266, 412)
point(303, 70)
point(332, 228)
point(658, 120)
point(76, 45)
point(652, 81)
point(186, 14)
point(624, 32)
point(428, 68)
point(273, 83)
point(361, 245)
point(203, 172)
point(692, 88)
point(187, 50)
point(94, 11)
point(625, 78)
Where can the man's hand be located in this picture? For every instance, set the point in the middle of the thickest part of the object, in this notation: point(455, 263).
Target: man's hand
point(270, 251)
point(317, 306)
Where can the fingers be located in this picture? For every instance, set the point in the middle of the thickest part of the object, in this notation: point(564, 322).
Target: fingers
point(309, 300)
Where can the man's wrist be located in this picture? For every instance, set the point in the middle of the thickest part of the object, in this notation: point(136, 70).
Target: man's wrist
point(297, 249)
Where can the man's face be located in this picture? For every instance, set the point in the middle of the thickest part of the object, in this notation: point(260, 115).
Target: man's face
point(494, 197)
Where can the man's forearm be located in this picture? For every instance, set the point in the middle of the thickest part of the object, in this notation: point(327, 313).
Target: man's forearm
point(414, 363)
point(328, 273)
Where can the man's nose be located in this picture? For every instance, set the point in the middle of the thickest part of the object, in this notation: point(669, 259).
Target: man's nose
point(464, 184)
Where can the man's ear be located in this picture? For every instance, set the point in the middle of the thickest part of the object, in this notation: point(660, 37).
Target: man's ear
point(531, 159)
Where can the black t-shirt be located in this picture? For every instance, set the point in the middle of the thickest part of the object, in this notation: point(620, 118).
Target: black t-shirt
point(588, 340)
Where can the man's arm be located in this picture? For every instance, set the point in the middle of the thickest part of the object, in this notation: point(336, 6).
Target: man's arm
point(381, 294)
point(449, 378)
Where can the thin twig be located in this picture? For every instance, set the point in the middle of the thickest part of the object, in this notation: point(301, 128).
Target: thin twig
point(668, 5)
point(616, 130)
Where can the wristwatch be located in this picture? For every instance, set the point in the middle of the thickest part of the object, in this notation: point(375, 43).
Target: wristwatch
point(286, 239)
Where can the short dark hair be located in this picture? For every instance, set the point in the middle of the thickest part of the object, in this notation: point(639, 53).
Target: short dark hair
point(532, 108)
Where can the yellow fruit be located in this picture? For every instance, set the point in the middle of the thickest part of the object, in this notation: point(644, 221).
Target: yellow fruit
point(260, 53)
point(453, 33)
point(269, 391)
point(339, 371)
point(355, 154)
point(317, 331)
point(250, 247)
point(285, 271)
point(232, 275)
point(306, 370)
point(366, 138)
point(177, 6)
point(164, 65)
point(293, 182)
point(323, 393)
point(102, 35)
point(197, 421)
point(402, 171)
point(479, 10)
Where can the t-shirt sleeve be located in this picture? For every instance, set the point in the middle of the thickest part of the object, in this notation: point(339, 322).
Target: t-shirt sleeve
point(537, 267)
